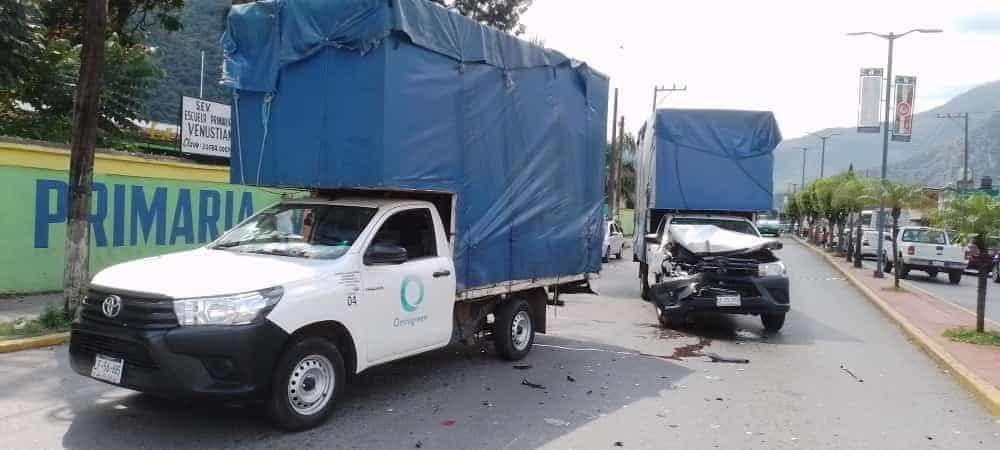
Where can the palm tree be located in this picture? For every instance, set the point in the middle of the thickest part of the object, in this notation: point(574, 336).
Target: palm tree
point(851, 196)
point(976, 216)
point(897, 197)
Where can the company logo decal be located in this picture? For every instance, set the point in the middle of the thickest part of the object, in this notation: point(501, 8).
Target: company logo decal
point(411, 294)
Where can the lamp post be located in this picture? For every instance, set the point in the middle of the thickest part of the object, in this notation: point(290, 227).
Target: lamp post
point(822, 157)
point(804, 151)
point(891, 37)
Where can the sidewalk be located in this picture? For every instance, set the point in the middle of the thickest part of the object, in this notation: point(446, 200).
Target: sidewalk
point(925, 317)
point(13, 308)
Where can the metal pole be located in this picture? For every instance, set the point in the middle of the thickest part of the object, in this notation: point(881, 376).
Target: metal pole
point(201, 84)
point(804, 150)
point(885, 159)
point(822, 157)
point(656, 93)
point(965, 171)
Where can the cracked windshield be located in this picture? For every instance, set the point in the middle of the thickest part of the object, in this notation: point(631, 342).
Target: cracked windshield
point(499, 224)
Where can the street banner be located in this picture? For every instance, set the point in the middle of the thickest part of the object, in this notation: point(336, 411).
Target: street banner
point(870, 93)
point(902, 127)
point(205, 128)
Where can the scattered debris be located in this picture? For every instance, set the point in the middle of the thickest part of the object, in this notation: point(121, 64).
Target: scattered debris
point(522, 366)
point(487, 404)
point(525, 382)
point(713, 357)
point(673, 425)
point(418, 444)
point(716, 426)
point(556, 422)
point(845, 369)
point(389, 410)
point(570, 379)
point(718, 398)
point(449, 423)
point(589, 392)
point(619, 444)
point(930, 438)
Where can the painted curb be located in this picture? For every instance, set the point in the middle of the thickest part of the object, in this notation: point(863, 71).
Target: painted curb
point(16, 345)
point(988, 394)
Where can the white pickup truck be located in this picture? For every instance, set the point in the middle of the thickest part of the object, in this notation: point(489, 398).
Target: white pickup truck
point(928, 250)
point(290, 303)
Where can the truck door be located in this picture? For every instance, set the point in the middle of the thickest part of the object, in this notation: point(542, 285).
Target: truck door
point(408, 304)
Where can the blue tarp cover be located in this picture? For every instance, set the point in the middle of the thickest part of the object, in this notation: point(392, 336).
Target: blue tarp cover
point(712, 160)
point(403, 94)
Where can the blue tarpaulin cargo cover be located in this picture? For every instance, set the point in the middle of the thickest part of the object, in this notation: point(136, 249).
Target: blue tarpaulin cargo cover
point(709, 160)
point(404, 94)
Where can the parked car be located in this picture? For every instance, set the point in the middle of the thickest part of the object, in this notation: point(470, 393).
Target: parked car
point(929, 250)
point(769, 227)
point(614, 240)
point(869, 245)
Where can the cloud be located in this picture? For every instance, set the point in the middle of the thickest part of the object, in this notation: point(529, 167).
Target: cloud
point(987, 22)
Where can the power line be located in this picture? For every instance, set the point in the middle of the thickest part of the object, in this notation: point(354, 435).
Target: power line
point(672, 88)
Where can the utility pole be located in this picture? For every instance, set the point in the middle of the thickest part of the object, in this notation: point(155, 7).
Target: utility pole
point(965, 167)
point(201, 83)
point(618, 163)
point(891, 37)
point(612, 179)
point(616, 154)
point(822, 157)
point(81, 155)
point(804, 151)
point(658, 89)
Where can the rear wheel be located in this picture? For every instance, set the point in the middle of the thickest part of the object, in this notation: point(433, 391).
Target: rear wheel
point(513, 331)
point(607, 254)
point(955, 277)
point(644, 281)
point(308, 378)
point(773, 322)
point(932, 273)
point(621, 250)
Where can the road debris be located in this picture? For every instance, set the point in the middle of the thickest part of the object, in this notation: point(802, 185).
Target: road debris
point(570, 379)
point(522, 366)
point(449, 423)
point(525, 382)
point(418, 444)
point(619, 444)
point(487, 403)
point(556, 422)
point(848, 371)
point(713, 357)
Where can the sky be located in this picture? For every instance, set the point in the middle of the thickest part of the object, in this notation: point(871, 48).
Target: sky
point(790, 57)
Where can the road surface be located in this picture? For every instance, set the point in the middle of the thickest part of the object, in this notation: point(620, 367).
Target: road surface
point(634, 385)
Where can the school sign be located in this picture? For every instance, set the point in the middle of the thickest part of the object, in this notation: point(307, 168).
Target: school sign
point(140, 207)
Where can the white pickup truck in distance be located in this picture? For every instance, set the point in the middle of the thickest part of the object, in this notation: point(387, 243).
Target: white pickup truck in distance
point(928, 250)
point(288, 304)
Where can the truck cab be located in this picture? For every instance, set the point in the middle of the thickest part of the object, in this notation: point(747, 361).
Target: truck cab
point(288, 304)
point(929, 250)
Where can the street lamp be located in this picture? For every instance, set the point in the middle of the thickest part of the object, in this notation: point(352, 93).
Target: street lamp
point(891, 37)
point(804, 151)
point(822, 157)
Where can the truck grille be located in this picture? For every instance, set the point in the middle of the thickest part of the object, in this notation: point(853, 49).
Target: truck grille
point(133, 353)
point(143, 312)
point(729, 266)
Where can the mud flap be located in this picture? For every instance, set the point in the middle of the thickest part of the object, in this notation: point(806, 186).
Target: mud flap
point(576, 287)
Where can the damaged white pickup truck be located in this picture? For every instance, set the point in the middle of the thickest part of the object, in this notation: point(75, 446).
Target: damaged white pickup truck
point(718, 264)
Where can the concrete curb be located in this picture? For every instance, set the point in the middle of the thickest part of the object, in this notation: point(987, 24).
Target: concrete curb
point(16, 345)
point(985, 392)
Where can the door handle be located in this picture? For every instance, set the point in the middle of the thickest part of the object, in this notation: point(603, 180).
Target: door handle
point(442, 273)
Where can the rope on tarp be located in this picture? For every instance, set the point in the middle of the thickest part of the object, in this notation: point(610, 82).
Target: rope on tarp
point(265, 119)
point(239, 141)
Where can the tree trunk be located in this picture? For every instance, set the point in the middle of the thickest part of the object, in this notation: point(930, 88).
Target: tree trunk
point(81, 167)
point(984, 262)
point(849, 237)
point(895, 252)
point(857, 245)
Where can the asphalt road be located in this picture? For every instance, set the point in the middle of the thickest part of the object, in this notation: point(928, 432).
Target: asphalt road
point(962, 294)
point(633, 383)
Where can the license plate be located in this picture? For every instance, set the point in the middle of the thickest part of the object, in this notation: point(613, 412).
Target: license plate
point(938, 263)
point(727, 300)
point(108, 369)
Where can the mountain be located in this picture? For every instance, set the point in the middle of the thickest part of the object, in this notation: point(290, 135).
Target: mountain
point(178, 54)
point(933, 157)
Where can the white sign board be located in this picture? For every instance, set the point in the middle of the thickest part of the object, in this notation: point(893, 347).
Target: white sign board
point(871, 97)
point(205, 128)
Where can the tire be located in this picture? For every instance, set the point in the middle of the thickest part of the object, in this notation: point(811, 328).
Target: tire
point(773, 322)
point(932, 274)
point(620, 251)
point(513, 331)
point(996, 274)
point(671, 320)
point(607, 255)
point(955, 277)
point(904, 271)
point(886, 265)
point(307, 380)
point(644, 281)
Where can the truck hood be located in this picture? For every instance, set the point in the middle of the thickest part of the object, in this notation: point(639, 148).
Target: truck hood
point(706, 240)
point(204, 272)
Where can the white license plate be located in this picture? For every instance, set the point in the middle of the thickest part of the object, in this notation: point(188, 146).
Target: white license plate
point(938, 263)
point(727, 300)
point(108, 369)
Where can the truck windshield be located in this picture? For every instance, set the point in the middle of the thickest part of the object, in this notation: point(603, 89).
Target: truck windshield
point(738, 226)
point(925, 236)
point(301, 231)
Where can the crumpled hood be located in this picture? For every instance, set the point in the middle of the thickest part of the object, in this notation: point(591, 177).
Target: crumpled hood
point(204, 272)
point(706, 240)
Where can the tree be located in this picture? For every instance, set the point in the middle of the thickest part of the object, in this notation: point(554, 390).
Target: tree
point(504, 15)
point(976, 216)
point(18, 40)
point(129, 19)
point(626, 184)
point(897, 197)
point(851, 196)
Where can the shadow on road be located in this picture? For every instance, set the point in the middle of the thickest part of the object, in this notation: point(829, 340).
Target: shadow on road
point(458, 397)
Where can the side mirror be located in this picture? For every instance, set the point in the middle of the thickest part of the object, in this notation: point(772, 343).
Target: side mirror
point(652, 239)
point(383, 253)
point(774, 245)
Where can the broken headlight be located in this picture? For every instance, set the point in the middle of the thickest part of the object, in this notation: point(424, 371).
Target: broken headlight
point(774, 269)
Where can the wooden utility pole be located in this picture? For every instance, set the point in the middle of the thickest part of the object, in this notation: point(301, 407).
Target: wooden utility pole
point(81, 166)
point(658, 89)
point(612, 186)
point(616, 156)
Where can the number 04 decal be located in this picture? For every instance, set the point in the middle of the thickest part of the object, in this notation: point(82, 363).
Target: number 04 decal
point(352, 300)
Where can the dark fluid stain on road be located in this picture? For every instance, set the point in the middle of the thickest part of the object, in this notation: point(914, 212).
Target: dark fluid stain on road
point(690, 350)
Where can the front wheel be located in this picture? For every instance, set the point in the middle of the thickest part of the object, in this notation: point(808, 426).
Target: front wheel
point(668, 320)
point(307, 380)
point(644, 281)
point(513, 331)
point(607, 254)
point(955, 277)
point(620, 251)
point(773, 322)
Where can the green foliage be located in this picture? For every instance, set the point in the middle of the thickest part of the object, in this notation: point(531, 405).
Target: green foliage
point(626, 189)
point(18, 39)
point(900, 196)
point(973, 337)
point(975, 215)
point(52, 320)
point(129, 19)
point(504, 15)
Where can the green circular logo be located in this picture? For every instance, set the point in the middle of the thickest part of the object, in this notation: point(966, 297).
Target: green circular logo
point(409, 303)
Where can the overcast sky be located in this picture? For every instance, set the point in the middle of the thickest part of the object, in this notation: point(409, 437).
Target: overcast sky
point(790, 57)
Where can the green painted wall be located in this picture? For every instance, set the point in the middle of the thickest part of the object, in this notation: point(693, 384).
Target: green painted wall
point(132, 218)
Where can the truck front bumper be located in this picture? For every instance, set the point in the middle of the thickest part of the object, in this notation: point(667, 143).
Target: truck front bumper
point(758, 295)
point(232, 362)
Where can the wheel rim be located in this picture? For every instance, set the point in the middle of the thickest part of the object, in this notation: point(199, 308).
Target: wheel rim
point(311, 384)
point(520, 330)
